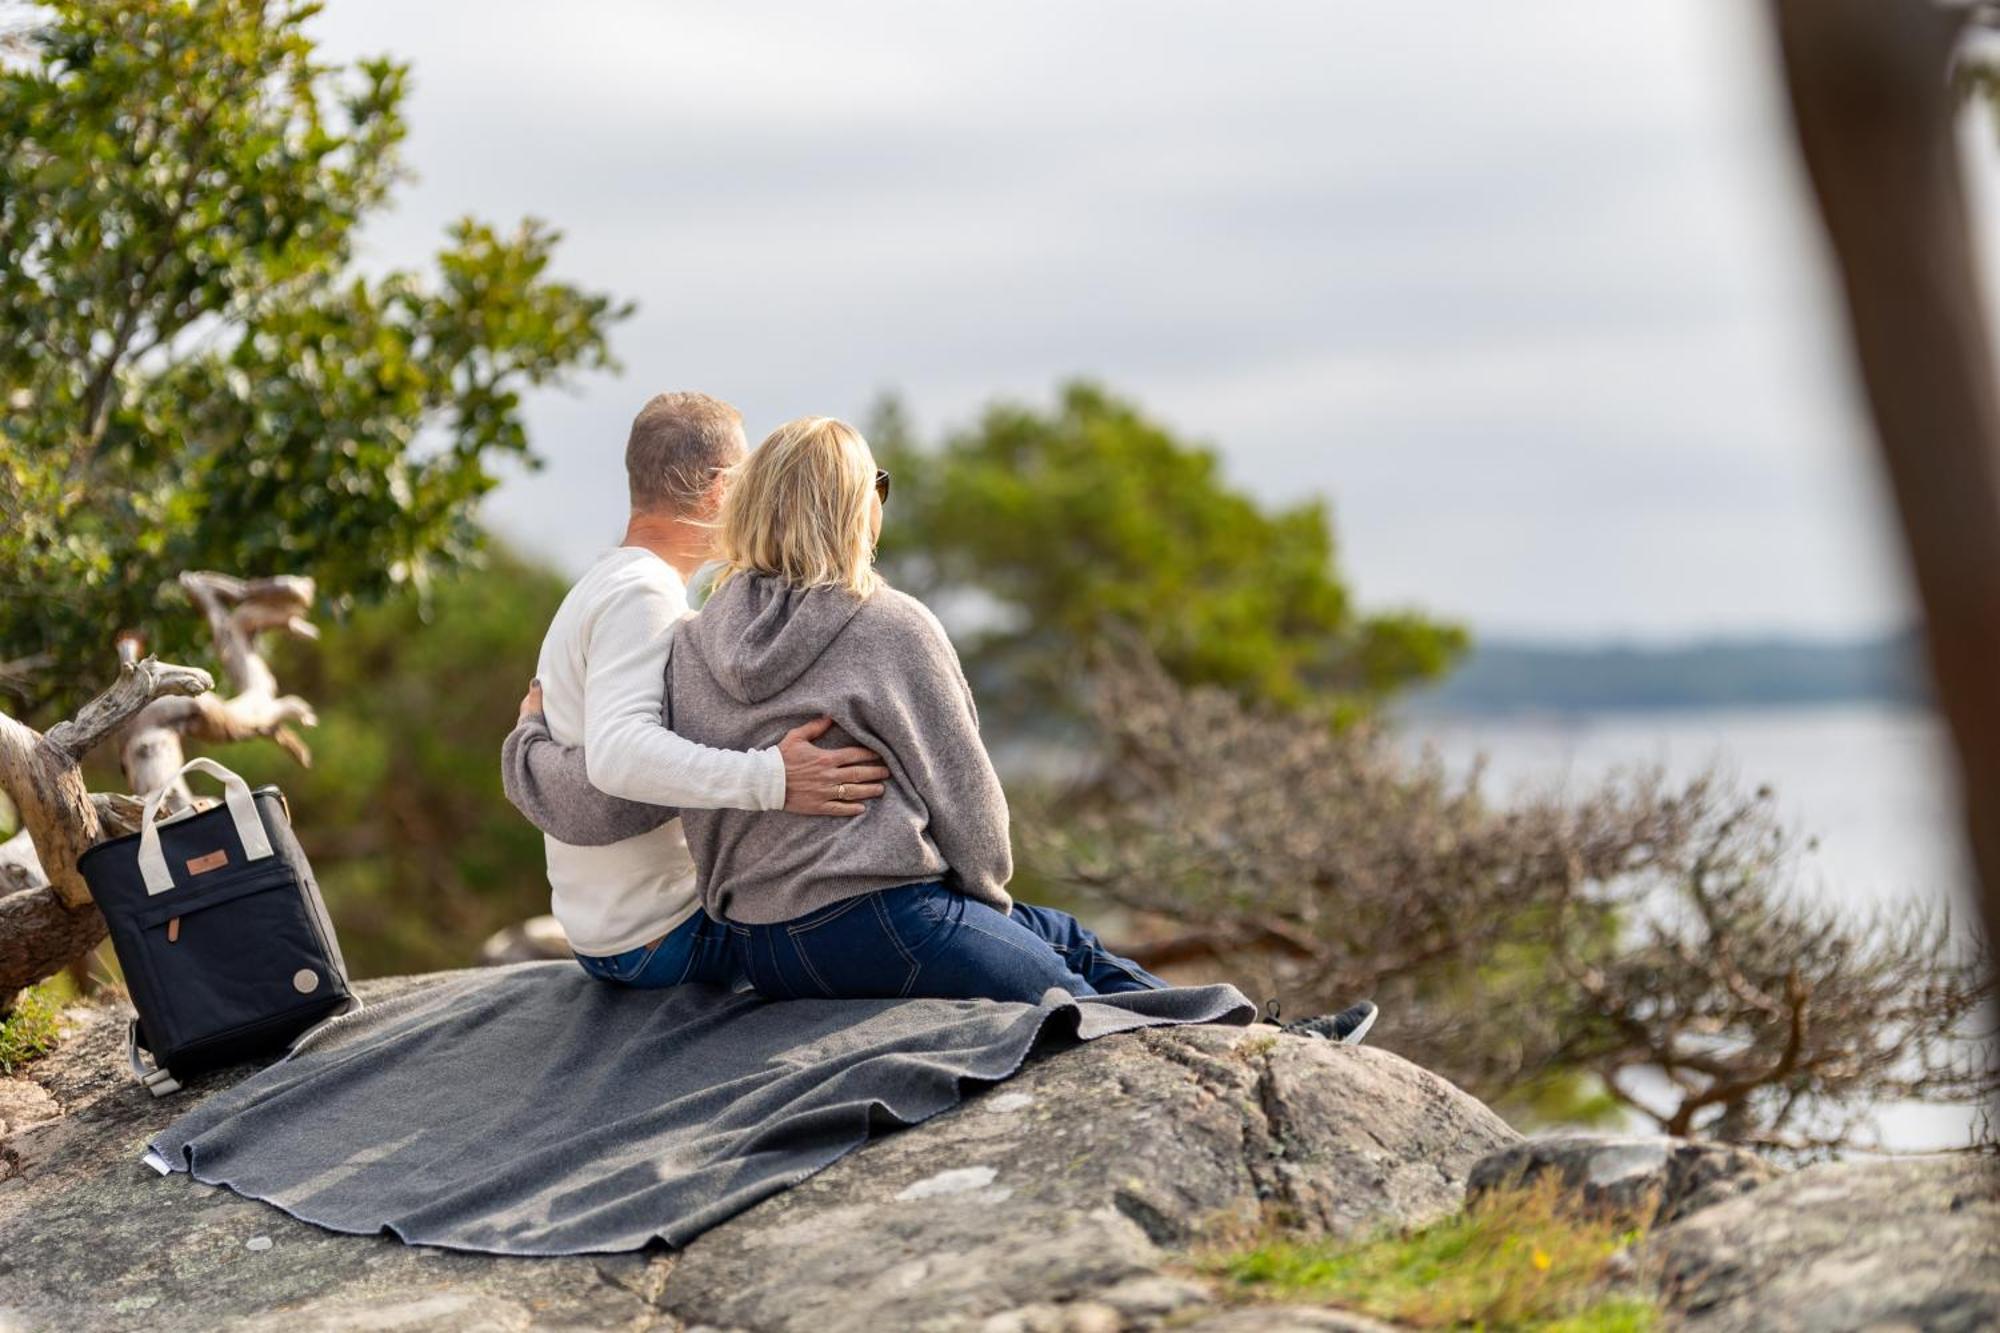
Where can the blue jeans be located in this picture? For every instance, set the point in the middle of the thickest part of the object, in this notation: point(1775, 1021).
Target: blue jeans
point(698, 949)
point(926, 940)
point(1086, 955)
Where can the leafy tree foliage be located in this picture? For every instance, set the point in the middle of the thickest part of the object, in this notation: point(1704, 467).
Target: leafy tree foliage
point(191, 373)
point(1063, 525)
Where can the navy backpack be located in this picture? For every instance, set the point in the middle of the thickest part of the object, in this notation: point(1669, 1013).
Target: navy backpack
point(226, 946)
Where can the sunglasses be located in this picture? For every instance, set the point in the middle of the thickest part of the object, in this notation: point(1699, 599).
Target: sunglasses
point(882, 485)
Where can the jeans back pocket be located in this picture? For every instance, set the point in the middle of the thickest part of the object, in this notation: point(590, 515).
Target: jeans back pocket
point(854, 951)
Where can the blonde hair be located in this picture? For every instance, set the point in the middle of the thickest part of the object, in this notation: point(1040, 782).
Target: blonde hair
point(799, 510)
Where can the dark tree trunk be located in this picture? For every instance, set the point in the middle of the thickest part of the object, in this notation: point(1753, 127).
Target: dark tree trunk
point(1872, 101)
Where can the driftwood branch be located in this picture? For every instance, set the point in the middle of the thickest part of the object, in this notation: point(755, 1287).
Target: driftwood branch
point(139, 685)
point(20, 868)
point(238, 612)
point(43, 778)
point(40, 935)
point(46, 916)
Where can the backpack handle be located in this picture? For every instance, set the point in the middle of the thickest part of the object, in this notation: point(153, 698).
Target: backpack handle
point(242, 810)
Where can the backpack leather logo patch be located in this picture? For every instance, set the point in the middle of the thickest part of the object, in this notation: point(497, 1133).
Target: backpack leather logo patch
point(215, 860)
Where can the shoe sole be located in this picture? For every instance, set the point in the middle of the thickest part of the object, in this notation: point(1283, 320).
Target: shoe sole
point(1355, 1037)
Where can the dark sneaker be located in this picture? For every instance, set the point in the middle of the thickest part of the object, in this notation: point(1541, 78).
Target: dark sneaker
point(1348, 1027)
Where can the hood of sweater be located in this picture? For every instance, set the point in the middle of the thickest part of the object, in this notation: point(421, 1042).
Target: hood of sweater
point(759, 634)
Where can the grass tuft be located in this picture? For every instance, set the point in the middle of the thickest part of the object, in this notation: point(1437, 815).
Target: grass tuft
point(1516, 1260)
point(32, 1029)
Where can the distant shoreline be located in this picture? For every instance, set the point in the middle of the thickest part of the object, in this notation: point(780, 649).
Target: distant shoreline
point(1522, 676)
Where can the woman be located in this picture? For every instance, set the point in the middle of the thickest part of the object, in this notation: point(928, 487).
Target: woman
point(909, 898)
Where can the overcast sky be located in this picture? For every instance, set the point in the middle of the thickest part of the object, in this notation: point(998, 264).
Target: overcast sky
point(1528, 290)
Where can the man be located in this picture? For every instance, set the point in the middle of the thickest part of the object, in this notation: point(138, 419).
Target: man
point(629, 907)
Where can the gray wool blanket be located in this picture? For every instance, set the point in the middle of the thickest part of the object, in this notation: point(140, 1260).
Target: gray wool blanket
point(532, 1110)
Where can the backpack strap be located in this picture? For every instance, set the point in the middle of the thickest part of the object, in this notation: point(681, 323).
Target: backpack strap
point(242, 810)
point(155, 1080)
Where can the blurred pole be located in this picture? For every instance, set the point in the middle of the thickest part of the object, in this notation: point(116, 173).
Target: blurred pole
point(1872, 101)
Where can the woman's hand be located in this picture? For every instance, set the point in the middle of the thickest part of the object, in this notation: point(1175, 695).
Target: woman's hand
point(531, 702)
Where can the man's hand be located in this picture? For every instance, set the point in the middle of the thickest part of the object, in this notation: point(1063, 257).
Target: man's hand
point(531, 702)
point(828, 782)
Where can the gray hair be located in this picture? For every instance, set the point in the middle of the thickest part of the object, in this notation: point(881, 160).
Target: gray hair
point(680, 443)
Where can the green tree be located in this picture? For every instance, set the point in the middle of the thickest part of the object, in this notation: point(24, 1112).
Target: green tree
point(1068, 524)
point(191, 373)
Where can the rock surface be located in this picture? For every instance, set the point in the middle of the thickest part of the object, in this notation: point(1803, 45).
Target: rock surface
point(1051, 1203)
point(1648, 1180)
point(1284, 1319)
point(1894, 1244)
point(1055, 1203)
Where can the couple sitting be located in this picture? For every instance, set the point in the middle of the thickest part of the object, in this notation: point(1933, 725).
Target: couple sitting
point(872, 865)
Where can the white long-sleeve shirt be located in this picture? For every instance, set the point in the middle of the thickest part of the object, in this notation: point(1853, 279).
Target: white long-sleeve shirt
point(603, 675)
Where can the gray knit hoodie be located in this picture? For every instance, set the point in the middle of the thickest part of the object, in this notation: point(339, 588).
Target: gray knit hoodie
point(764, 657)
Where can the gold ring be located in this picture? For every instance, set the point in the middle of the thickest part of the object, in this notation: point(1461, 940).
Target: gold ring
point(841, 791)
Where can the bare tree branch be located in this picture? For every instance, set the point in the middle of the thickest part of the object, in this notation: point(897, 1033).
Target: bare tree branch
point(1637, 927)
